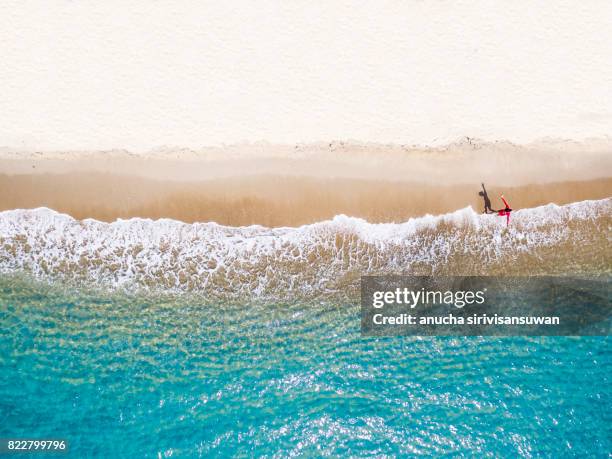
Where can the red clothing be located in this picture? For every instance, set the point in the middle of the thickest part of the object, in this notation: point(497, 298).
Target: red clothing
point(505, 212)
point(501, 213)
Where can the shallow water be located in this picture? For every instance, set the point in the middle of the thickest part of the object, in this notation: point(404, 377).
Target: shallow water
point(322, 259)
point(150, 376)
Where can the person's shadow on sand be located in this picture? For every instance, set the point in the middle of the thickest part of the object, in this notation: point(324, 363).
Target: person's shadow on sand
point(487, 201)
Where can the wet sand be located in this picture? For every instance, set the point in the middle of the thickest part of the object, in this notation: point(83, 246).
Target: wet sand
point(268, 200)
point(295, 185)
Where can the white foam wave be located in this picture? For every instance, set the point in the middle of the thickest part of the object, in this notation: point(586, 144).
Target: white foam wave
point(325, 256)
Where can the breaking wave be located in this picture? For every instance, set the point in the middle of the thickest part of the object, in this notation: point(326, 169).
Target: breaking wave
point(308, 261)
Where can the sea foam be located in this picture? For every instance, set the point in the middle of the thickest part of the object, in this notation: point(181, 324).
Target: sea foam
point(311, 260)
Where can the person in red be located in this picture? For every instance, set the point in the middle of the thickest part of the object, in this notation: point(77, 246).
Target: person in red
point(505, 212)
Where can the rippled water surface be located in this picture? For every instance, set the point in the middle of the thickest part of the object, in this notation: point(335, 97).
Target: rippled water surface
point(128, 376)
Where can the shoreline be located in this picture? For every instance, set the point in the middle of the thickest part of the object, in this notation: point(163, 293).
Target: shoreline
point(271, 201)
point(293, 185)
point(325, 259)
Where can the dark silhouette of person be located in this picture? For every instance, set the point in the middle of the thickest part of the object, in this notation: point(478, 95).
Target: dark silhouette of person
point(487, 201)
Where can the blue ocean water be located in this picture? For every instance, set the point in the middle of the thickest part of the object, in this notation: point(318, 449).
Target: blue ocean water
point(129, 376)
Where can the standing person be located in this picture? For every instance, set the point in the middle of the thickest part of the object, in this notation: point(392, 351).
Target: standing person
point(487, 201)
point(505, 212)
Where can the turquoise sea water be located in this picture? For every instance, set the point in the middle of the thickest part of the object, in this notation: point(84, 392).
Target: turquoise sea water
point(129, 376)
